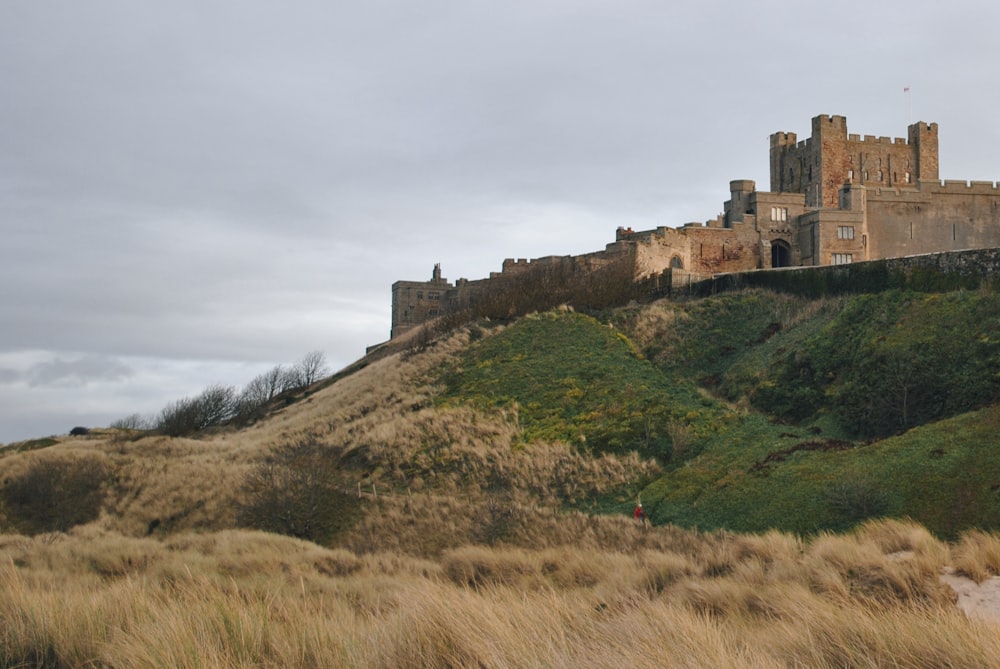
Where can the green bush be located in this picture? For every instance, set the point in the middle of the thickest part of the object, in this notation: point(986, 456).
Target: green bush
point(857, 497)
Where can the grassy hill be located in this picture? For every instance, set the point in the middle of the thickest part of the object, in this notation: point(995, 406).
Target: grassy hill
point(765, 410)
point(466, 502)
point(746, 411)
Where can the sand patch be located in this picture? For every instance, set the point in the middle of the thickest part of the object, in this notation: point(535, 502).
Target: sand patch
point(977, 600)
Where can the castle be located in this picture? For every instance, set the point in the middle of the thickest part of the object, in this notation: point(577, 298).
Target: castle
point(835, 198)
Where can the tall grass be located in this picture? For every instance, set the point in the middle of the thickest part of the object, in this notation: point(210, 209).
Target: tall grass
point(245, 599)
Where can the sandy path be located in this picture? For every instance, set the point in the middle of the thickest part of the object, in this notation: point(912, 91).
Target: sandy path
point(977, 600)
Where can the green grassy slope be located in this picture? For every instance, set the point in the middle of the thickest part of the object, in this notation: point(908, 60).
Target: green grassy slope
point(768, 410)
point(571, 378)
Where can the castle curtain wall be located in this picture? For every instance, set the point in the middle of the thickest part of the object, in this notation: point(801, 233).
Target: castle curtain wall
point(949, 216)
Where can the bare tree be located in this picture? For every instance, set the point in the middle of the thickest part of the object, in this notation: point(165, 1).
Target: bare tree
point(291, 378)
point(215, 405)
point(178, 418)
point(133, 421)
point(312, 367)
point(264, 387)
point(273, 381)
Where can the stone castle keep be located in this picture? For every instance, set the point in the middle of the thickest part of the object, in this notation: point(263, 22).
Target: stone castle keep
point(834, 198)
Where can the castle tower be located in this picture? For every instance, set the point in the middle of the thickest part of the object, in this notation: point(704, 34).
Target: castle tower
point(820, 166)
point(924, 138)
point(740, 192)
point(781, 142)
point(831, 153)
point(416, 302)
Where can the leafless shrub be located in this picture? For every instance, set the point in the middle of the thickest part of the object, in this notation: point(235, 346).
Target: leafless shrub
point(131, 422)
point(215, 405)
point(54, 494)
point(265, 387)
point(294, 492)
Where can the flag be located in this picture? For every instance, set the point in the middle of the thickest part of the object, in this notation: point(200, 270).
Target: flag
point(906, 89)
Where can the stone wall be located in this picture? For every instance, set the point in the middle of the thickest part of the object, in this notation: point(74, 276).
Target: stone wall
point(969, 270)
point(940, 216)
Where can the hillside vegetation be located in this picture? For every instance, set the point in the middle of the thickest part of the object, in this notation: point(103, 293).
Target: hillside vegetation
point(766, 410)
point(467, 502)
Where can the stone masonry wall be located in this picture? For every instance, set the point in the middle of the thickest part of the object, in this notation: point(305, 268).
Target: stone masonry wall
point(969, 270)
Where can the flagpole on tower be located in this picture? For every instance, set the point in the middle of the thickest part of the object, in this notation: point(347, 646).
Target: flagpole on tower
point(909, 106)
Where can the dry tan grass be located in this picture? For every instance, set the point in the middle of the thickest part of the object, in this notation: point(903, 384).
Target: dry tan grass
point(655, 321)
point(977, 555)
point(247, 599)
point(163, 578)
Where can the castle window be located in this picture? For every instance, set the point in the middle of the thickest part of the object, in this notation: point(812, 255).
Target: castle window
point(676, 263)
point(845, 232)
point(779, 214)
point(878, 175)
point(420, 294)
point(841, 258)
point(433, 296)
point(432, 312)
point(866, 175)
point(906, 177)
point(850, 174)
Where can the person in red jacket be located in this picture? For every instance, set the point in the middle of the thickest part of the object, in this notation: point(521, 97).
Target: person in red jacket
point(639, 514)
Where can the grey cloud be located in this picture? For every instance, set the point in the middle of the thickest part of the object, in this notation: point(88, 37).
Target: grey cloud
point(80, 371)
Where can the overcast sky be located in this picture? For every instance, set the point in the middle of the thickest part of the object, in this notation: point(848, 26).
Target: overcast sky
point(194, 191)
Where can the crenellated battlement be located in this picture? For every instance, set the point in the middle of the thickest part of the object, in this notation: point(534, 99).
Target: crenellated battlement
point(783, 139)
point(988, 187)
point(789, 140)
point(513, 266)
point(829, 126)
point(872, 139)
